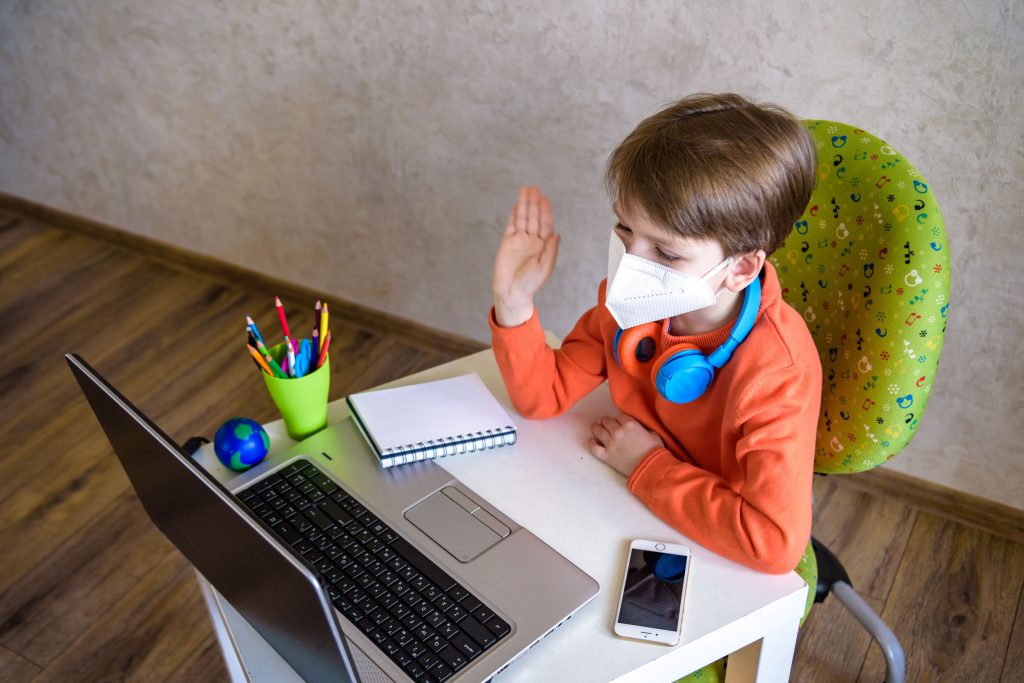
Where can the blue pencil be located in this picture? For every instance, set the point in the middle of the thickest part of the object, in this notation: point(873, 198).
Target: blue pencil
point(252, 325)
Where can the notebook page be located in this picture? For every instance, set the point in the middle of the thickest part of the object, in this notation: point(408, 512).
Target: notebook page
point(429, 411)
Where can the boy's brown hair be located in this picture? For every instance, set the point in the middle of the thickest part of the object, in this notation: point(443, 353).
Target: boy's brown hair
point(717, 166)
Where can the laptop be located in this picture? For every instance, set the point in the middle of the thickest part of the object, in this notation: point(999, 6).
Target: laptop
point(349, 571)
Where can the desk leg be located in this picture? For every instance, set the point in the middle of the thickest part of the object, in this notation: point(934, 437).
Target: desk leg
point(768, 660)
point(232, 660)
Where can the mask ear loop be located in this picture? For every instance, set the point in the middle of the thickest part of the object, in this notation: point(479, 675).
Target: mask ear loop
point(714, 271)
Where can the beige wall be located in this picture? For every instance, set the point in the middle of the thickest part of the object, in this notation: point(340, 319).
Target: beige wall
point(373, 149)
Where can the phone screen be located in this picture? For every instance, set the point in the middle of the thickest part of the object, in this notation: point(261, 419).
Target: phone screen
point(653, 592)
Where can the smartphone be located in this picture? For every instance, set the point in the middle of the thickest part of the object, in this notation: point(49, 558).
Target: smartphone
point(653, 592)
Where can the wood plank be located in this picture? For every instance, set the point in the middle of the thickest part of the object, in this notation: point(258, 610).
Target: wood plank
point(146, 635)
point(56, 475)
point(205, 663)
point(965, 508)
point(953, 603)
point(355, 314)
point(869, 535)
point(831, 645)
point(12, 230)
point(109, 555)
point(1013, 664)
point(16, 669)
point(35, 296)
point(21, 239)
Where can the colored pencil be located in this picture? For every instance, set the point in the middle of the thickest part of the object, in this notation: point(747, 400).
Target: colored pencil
point(259, 359)
point(281, 316)
point(251, 324)
point(274, 365)
point(323, 326)
point(306, 357)
point(291, 355)
point(317, 313)
point(323, 349)
point(258, 366)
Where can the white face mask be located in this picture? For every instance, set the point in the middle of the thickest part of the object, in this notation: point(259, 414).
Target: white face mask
point(641, 291)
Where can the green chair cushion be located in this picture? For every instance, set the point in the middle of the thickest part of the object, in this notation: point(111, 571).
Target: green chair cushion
point(867, 266)
point(712, 673)
point(808, 571)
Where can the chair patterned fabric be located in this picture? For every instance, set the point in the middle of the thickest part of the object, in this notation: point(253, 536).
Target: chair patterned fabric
point(867, 265)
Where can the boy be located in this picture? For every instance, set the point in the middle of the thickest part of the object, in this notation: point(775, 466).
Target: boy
point(706, 189)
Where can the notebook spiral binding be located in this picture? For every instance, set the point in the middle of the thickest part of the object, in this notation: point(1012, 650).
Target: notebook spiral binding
point(449, 445)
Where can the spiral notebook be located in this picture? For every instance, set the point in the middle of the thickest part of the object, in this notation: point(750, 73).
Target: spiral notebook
point(431, 420)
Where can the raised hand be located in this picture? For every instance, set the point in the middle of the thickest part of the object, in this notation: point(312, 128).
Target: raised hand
point(526, 257)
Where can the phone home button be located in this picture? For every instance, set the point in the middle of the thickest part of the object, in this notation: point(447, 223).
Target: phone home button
point(659, 546)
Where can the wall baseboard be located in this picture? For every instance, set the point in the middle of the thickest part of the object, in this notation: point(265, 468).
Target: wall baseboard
point(182, 259)
point(966, 508)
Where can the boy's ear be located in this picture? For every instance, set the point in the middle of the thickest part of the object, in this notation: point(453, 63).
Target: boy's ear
point(745, 267)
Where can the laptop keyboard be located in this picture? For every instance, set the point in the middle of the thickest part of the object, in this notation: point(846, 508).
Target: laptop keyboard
point(419, 616)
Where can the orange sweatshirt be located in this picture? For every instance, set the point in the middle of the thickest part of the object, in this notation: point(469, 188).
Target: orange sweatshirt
point(735, 473)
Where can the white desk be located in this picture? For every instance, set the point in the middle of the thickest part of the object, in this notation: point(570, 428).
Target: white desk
point(549, 483)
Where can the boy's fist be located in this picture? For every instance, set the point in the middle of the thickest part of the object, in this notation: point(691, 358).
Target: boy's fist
point(622, 442)
point(526, 257)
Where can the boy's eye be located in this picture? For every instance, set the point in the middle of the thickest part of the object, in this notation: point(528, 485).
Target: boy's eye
point(623, 228)
point(665, 256)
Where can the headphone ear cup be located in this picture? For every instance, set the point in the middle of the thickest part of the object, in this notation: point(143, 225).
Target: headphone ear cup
point(684, 375)
point(626, 344)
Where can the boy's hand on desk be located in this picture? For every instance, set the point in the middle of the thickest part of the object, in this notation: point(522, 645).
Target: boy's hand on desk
point(526, 257)
point(622, 442)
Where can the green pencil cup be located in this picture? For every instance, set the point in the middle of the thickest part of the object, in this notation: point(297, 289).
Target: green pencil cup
point(301, 401)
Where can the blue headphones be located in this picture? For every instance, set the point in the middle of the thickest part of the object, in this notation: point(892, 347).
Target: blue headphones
point(682, 373)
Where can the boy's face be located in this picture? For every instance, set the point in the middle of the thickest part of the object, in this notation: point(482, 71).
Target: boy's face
point(650, 241)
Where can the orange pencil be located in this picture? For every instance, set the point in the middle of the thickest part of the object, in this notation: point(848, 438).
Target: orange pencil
point(259, 359)
point(323, 349)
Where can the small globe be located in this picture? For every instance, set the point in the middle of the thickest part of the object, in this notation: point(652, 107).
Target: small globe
point(240, 443)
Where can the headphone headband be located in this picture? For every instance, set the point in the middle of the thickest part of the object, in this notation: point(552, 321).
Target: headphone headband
point(744, 323)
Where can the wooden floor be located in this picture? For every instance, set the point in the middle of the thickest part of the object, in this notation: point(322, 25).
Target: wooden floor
point(90, 591)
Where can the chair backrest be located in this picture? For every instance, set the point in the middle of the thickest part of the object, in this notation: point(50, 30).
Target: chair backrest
point(867, 265)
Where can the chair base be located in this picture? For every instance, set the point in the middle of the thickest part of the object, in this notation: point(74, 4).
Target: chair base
point(832, 578)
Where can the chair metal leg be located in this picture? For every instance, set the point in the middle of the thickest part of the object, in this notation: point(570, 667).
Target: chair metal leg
point(895, 662)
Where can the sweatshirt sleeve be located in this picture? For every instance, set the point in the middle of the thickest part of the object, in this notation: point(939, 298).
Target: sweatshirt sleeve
point(764, 520)
point(543, 382)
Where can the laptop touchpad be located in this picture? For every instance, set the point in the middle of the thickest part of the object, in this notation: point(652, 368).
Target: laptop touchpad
point(457, 524)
